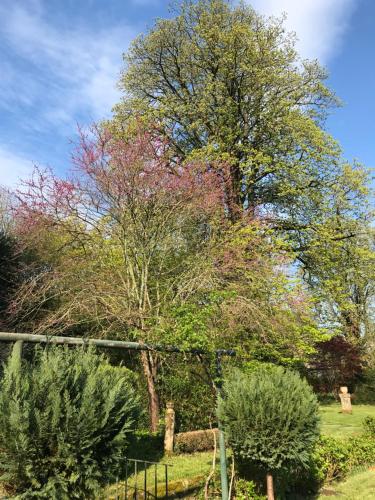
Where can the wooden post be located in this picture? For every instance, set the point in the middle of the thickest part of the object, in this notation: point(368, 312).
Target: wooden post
point(169, 428)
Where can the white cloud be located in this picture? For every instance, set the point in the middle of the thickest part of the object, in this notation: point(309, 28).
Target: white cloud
point(13, 167)
point(319, 24)
point(70, 72)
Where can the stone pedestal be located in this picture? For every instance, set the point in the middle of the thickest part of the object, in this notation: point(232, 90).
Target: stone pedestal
point(169, 428)
point(346, 402)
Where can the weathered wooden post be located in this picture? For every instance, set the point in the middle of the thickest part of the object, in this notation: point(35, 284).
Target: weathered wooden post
point(169, 428)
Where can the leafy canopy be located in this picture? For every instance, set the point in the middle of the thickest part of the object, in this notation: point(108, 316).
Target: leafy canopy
point(225, 83)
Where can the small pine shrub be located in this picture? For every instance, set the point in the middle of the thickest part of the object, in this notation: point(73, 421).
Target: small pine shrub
point(64, 423)
point(271, 419)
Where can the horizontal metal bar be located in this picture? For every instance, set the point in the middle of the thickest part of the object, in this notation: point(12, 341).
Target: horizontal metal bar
point(118, 344)
point(147, 462)
point(55, 339)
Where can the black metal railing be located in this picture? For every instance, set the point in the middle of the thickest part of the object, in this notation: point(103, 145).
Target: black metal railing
point(143, 480)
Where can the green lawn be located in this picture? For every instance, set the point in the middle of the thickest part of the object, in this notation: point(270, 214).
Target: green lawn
point(190, 470)
point(183, 466)
point(186, 471)
point(337, 424)
point(358, 486)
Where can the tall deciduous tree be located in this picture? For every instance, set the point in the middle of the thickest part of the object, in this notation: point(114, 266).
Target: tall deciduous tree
point(126, 236)
point(224, 83)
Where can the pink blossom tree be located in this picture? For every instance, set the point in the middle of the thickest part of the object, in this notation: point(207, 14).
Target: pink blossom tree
point(129, 230)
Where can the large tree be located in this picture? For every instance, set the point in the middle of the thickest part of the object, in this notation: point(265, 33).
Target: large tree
point(226, 84)
point(138, 247)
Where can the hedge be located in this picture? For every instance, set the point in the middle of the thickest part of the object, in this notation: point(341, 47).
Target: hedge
point(194, 441)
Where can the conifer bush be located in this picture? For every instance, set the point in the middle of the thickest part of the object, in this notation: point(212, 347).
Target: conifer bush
point(271, 419)
point(65, 419)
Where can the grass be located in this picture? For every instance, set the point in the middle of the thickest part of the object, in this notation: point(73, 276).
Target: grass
point(358, 486)
point(186, 472)
point(183, 466)
point(337, 424)
point(191, 470)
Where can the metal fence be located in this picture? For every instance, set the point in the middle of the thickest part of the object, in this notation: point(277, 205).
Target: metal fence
point(143, 480)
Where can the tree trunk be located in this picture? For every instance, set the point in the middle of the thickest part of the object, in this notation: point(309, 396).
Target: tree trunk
point(270, 495)
point(149, 368)
point(232, 193)
point(352, 325)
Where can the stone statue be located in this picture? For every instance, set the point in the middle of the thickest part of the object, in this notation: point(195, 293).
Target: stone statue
point(169, 428)
point(346, 403)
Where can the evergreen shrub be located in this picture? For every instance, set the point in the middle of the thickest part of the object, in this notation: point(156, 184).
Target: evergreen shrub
point(65, 419)
point(271, 419)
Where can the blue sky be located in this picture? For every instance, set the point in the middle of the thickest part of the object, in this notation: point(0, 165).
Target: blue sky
point(60, 60)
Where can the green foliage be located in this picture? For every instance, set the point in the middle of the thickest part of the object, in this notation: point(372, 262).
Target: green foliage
point(196, 441)
point(185, 382)
point(270, 417)
point(250, 367)
point(330, 460)
point(369, 426)
point(365, 388)
point(362, 451)
point(146, 445)
point(267, 314)
point(190, 323)
point(64, 423)
point(339, 268)
point(247, 490)
point(334, 458)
